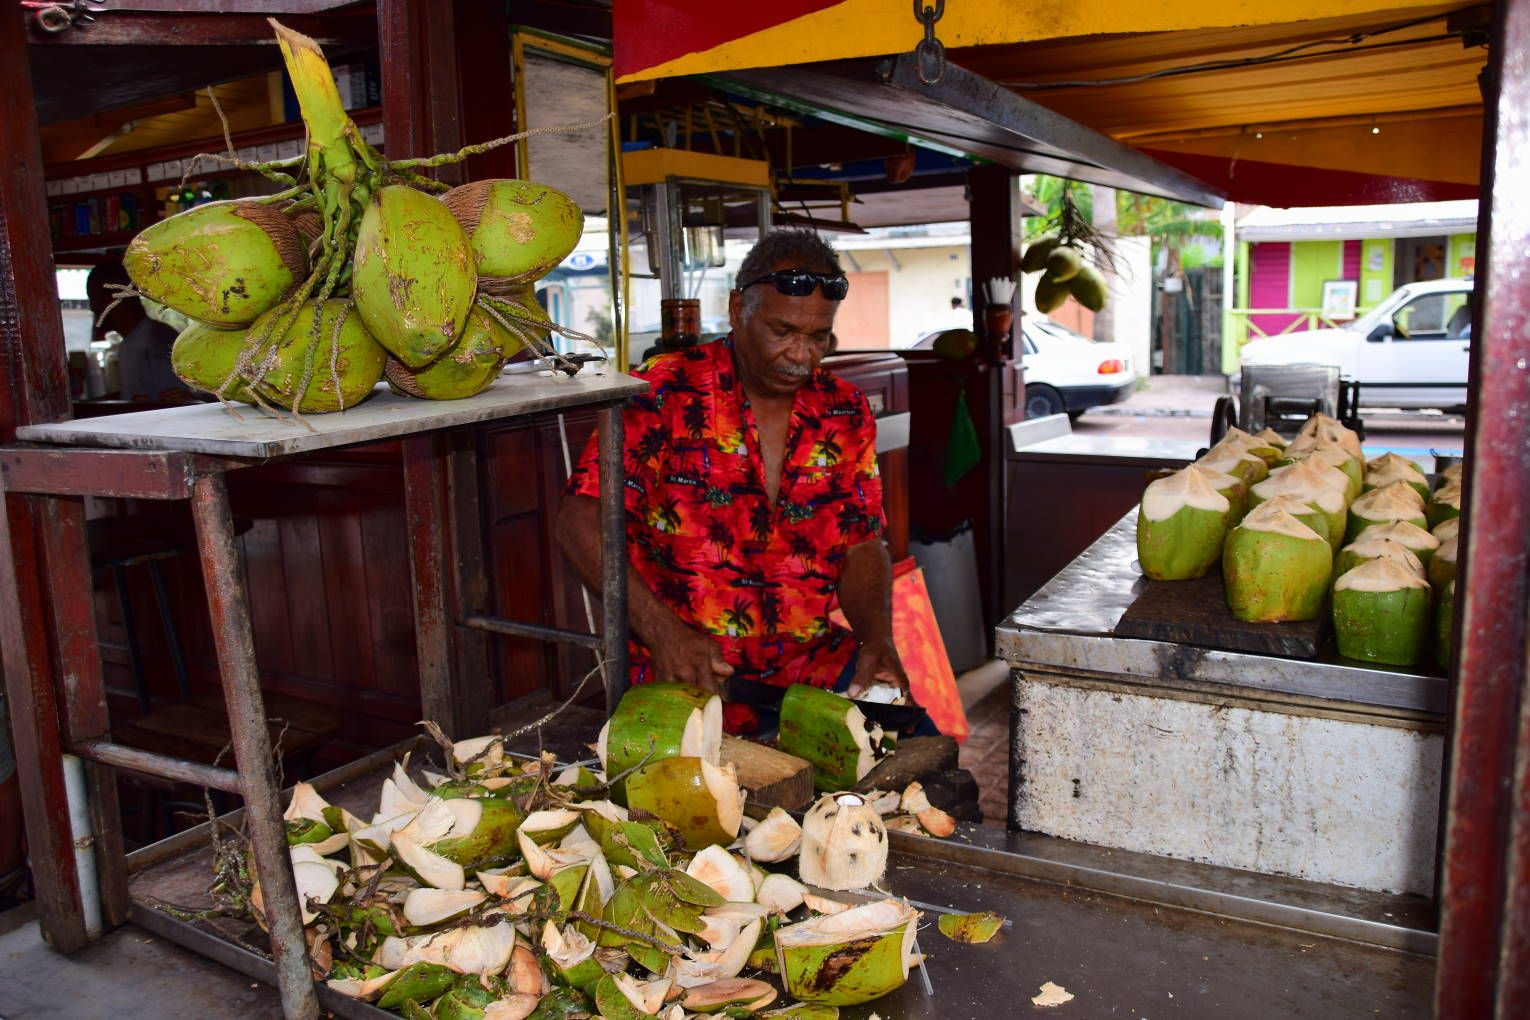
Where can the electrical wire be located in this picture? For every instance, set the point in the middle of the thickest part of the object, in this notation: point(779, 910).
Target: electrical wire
point(1301, 51)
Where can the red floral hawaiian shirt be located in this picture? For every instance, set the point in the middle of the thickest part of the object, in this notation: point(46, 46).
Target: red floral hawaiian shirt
point(701, 531)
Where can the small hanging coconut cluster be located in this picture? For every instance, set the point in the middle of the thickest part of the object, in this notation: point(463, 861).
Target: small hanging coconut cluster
point(1060, 257)
point(355, 271)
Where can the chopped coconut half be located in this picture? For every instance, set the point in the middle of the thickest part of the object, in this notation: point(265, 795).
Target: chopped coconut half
point(1404, 533)
point(823, 904)
point(1376, 547)
point(487, 751)
point(1397, 502)
point(1380, 575)
point(1277, 521)
point(1391, 467)
point(1447, 530)
point(426, 907)
point(780, 893)
point(867, 921)
point(466, 950)
point(1307, 483)
point(774, 839)
point(1165, 497)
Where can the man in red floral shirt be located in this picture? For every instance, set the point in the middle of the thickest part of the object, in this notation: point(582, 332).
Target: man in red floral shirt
point(753, 499)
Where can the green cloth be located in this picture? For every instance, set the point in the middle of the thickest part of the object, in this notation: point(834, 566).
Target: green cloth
point(962, 448)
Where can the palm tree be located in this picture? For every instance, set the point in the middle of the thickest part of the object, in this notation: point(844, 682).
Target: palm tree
point(694, 417)
point(759, 521)
point(738, 619)
point(719, 534)
point(801, 546)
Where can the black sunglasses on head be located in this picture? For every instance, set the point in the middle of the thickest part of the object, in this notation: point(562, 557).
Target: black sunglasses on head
point(800, 283)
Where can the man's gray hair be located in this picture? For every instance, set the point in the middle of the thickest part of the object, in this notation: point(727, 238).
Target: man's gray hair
point(803, 248)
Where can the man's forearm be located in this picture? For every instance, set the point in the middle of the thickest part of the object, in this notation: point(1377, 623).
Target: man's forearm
point(865, 591)
point(578, 532)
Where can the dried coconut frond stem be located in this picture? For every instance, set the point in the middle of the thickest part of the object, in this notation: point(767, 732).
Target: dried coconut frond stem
point(120, 293)
point(445, 158)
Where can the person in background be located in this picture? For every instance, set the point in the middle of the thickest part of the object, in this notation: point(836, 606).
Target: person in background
point(143, 360)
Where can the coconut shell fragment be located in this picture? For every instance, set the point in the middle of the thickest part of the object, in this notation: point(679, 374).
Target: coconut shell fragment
point(975, 929)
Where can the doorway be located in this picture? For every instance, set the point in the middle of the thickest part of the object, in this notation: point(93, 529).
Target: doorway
point(1420, 258)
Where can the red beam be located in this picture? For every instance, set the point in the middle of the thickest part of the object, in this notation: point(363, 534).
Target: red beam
point(1484, 956)
point(82, 472)
point(1283, 185)
point(133, 28)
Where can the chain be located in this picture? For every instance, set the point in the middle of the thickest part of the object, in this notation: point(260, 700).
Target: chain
point(929, 54)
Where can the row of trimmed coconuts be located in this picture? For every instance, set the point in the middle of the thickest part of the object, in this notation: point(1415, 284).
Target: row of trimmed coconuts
point(1064, 274)
point(506, 889)
point(1278, 515)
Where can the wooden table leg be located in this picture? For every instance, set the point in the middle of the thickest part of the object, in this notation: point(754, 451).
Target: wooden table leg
point(229, 608)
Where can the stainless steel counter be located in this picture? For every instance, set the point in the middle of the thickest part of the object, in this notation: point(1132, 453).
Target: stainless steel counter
point(1068, 626)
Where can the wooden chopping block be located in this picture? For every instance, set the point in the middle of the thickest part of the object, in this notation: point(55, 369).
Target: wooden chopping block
point(915, 758)
point(773, 778)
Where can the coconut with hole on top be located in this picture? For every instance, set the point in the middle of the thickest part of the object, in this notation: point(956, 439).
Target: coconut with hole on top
point(1365, 549)
point(1381, 613)
point(1396, 502)
point(844, 843)
point(1180, 526)
point(1420, 542)
point(1391, 467)
point(1275, 568)
point(1442, 565)
point(1445, 504)
point(1306, 482)
point(1444, 624)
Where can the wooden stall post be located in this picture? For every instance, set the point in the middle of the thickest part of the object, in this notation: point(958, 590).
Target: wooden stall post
point(1484, 957)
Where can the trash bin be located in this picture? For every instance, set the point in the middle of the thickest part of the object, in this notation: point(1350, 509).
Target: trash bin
point(951, 574)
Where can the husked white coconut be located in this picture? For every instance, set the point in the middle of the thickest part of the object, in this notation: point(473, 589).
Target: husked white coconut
point(775, 838)
point(844, 843)
point(722, 872)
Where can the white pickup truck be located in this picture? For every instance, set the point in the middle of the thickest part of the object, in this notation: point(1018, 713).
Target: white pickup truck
point(1410, 351)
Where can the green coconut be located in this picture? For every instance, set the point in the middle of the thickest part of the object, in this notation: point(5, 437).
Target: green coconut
point(1258, 446)
point(518, 230)
point(1180, 526)
point(1381, 613)
point(1233, 488)
point(657, 721)
point(204, 358)
point(1331, 453)
point(1420, 542)
point(341, 349)
point(1444, 624)
point(1275, 568)
point(1363, 550)
point(1233, 458)
point(828, 731)
point(1390, 468)
point(1272, 438)
point(1325, 426)
point(474, 833)
point(1442, 565)
point(1050, 293)
point(1308, 514)
point(1396, 502)
point(469, 366)
point(848, 958)
point(568, 958)
point(1446, 529)
point(1444, 505)
point(701, 800)
point(1309, 484)
point(1063, 263)
point(418, 982)
point(1451, 472)
point(412, 277)
point(224, 263)
point(563, 1004)
point(1035, 258)
point(1088, 288)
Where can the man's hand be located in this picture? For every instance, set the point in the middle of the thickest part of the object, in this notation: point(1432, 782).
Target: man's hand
point(685, 655)
point(878, 662)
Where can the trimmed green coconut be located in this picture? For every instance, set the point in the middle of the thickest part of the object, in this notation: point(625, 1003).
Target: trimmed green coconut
point(1308, 514)
point(1233, 458)
point(1396, 502)
point(1363, 550)
point(829, 732)
point(1232, 487)
point(657, 721)
point(1446, 529)
point(1331, 453)
point(1180, 526)
point(1444, 625)
point(1275, 568)
point(1306, 482)
point(1391, 467)
point(1327, 427)
point(1450, 473)
point(1261, 448)
point(1272, 438)
point(1442, 565)
point(1404, 533)
point(1381, 613)
point(1444, 504)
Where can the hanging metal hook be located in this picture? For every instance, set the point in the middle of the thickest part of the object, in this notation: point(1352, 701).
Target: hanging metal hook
point(929, 54)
